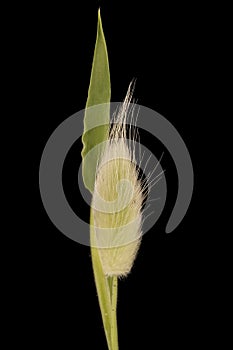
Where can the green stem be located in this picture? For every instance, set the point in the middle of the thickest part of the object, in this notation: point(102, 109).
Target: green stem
point(114, 333)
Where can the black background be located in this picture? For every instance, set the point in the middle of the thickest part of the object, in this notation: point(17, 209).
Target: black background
point(163, 301)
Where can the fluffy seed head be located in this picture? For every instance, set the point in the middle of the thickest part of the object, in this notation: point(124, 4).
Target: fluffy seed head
point(117, 200)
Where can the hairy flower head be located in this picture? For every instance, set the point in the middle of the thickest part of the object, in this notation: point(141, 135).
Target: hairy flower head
point(117, 199)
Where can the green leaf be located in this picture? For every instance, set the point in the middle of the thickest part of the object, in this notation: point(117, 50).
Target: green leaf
point(99, 93)
point(102, 286)
point(114, 333)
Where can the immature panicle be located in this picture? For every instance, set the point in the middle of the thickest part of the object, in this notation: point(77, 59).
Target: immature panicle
point(117, 200)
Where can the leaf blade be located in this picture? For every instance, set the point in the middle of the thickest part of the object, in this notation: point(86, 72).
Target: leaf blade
point(99, 93)
point(102, 287)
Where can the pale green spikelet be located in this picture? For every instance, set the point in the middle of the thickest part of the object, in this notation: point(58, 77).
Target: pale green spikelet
point(117, 200)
